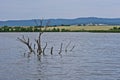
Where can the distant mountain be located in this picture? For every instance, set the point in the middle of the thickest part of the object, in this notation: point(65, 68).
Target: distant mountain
point(77, 21)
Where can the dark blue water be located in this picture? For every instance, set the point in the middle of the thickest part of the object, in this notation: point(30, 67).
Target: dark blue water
point(96, 56)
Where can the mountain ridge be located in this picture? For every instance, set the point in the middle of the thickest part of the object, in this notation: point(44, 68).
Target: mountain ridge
point(52, 22)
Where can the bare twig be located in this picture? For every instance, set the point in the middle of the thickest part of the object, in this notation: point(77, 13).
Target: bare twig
point(51, 52)
point(44, 49)
point(34, 46)
point(67, 46)
point(72, 48)
point(26, 42)
point(60, 48)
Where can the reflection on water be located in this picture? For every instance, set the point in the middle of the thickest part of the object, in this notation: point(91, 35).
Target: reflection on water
point(96, 56)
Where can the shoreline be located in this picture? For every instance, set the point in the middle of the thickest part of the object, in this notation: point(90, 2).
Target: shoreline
point(95, 29)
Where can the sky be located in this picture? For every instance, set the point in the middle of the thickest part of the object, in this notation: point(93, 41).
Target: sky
point(68, 9)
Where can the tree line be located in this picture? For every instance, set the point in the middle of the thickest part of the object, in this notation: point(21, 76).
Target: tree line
point(31, 29)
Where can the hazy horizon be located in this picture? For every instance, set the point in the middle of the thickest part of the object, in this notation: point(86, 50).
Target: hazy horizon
point(58, 18)
point(64, 9)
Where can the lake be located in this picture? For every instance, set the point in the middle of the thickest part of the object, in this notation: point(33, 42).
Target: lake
point(95, 56)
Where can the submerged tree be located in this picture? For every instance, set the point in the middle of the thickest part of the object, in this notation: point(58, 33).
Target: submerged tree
point(37, 47)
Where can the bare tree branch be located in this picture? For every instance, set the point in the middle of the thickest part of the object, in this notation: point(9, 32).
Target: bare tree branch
point(44, 49)
point(26, 42)
point(51, 52)
point(60, 48)
point(72, 48)
point(38, 41)
point(34, 46)
point(67, 46)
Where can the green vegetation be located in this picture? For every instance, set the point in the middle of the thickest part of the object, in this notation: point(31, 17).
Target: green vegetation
point(61, 29)
point(19, 29)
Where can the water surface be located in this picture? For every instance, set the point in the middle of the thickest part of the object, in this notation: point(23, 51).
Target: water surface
point(96, 56)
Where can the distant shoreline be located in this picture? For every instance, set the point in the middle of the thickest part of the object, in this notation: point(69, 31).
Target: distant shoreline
point(100, 29)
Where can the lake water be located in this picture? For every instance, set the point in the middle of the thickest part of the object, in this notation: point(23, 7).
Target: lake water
point(96, 56)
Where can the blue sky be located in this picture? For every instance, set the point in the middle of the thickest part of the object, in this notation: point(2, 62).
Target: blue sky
point(32, 9)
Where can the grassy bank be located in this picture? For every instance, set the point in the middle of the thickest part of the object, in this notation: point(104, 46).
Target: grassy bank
point(62, 29)
point(72, 28)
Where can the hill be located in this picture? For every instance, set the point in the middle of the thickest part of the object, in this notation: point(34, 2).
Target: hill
point(57, 22)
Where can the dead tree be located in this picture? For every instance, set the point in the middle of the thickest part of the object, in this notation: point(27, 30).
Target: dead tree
point(26, 42)
point(38, 41)
point(37, 46)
